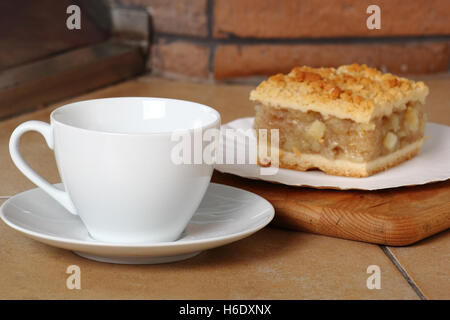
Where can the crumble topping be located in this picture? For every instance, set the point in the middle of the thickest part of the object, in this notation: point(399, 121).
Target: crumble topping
point(355, 92)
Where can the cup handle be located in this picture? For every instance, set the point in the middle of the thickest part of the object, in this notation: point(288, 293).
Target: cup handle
point(46, 130)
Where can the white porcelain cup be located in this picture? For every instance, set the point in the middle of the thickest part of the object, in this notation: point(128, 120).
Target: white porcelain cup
point(114, 159)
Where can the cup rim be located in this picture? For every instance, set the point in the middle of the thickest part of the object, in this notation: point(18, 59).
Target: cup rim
point(212, 124)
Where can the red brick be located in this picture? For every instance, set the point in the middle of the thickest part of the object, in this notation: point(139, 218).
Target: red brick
point(326, 18)
point(186, 17)
point(411, 57)
point(180, 59)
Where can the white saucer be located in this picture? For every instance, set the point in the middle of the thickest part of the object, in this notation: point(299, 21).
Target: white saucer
point(225, 215)
point(430, 165)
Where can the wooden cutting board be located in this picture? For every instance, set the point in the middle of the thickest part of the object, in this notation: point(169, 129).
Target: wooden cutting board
point(394, 217)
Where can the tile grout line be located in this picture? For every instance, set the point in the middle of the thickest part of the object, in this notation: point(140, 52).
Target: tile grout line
point(404, 273)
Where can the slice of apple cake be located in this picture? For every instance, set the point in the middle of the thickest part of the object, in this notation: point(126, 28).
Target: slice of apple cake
point(350, 121)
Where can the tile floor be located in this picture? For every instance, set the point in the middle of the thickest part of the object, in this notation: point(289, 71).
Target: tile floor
point(272, 264)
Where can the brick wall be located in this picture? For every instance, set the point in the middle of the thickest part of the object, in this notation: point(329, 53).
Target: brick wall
point(228, 39)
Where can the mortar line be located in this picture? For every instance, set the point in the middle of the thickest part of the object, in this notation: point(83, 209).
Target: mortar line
point(403, 272)
point(211, 44)
point(210, 17)
point(286, 41)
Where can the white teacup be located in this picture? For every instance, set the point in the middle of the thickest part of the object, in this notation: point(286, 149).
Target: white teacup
point(114, 159)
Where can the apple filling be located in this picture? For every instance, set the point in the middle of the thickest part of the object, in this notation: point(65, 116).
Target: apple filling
point(334, 138)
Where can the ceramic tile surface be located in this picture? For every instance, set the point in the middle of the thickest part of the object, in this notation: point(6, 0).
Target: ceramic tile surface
point(428, 264)
point(272, 264)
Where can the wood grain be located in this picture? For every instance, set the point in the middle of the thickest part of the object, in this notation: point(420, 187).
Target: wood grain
point(34, 30)
point(28, 86)
point(395, 217)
